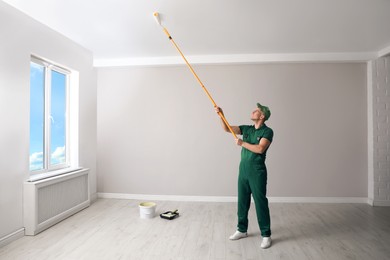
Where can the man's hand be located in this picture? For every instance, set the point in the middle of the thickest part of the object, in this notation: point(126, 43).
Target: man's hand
point(235, 129)
point(218, 109)
point(261, 147)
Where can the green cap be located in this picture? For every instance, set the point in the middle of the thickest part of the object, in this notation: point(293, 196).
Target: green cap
point(265, 110)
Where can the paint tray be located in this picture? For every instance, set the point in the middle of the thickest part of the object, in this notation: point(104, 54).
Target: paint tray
point(169, 215)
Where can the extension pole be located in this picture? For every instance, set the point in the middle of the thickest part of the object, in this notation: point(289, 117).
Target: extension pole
point(156, 17)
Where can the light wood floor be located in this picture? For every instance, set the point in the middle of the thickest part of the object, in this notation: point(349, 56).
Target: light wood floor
point(111, 229)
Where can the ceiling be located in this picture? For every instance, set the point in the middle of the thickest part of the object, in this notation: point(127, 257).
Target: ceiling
point(125, 29)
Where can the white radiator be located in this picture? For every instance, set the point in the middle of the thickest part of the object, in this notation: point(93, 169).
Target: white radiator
point(49, 201)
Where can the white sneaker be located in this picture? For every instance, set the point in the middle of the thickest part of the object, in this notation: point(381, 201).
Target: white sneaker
point(238, 235)
point(266, 242)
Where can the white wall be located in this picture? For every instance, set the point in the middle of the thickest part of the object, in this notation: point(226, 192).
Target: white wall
point(20, 37)
point(380, 132)
point(158, 133)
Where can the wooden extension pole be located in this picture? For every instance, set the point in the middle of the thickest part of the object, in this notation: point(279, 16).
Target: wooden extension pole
point(195, 75)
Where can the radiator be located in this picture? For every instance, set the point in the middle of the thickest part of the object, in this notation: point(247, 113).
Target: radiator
point(49, 201)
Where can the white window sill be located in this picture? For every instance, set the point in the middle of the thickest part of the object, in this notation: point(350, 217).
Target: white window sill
point(41, 176)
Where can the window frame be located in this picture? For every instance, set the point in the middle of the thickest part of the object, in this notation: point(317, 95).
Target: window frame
point(49, 67)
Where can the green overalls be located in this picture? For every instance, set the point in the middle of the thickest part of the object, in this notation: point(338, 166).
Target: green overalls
point(252, 179)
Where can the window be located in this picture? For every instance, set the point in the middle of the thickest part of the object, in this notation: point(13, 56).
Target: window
point(49, 122)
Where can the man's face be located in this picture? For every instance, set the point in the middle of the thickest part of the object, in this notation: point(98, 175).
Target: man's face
point(256, 114)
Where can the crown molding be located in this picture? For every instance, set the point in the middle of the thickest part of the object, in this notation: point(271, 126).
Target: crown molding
point(239, 59)
point(384, 52)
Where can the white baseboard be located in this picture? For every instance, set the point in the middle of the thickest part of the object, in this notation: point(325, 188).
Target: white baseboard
point(318, 200)
point(232, 198)
point(166, 197)
point(11, 237)
point(381, 203)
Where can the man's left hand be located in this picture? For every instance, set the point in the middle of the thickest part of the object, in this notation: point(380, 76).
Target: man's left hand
point(239, 141)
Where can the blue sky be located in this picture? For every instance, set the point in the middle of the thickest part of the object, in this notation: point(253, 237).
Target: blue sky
point(57, 117)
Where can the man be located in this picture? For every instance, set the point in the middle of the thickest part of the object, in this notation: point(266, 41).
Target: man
point(252, 177)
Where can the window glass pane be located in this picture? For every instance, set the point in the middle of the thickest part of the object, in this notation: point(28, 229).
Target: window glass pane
point(37, 114)
point(58, 118)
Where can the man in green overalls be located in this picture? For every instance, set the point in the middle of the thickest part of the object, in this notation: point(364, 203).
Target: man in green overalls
point(252, 179)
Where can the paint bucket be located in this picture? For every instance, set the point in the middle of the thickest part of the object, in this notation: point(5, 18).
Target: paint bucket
point(147, 209)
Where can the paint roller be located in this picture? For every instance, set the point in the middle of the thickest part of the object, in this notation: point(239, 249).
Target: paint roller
point(158, 21)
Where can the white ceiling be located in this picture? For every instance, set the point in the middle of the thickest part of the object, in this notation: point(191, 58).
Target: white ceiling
point(119, 29)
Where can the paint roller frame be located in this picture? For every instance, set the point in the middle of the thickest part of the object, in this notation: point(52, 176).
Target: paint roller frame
point(221, 115)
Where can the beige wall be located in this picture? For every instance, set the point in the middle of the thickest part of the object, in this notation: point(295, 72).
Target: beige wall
point(22, 36)
point(158, 133)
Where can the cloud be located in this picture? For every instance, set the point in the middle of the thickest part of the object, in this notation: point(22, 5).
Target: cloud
point(58, 156)
point(36, 161)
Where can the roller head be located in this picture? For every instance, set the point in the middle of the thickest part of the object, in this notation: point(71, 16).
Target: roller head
point(157, 18)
